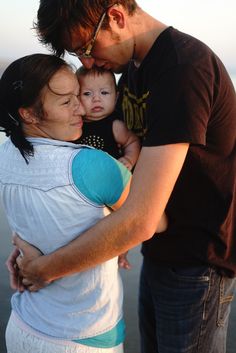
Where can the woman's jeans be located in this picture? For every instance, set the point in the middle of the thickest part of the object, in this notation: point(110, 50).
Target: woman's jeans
point(183, 309)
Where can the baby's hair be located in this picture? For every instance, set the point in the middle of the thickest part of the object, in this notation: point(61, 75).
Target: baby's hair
point(94, 71)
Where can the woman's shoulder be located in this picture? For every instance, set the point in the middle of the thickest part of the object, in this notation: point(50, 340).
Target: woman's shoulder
point(95, 173)
point(91, 160)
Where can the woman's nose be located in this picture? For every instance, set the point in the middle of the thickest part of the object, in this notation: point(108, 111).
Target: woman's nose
point(79, 108)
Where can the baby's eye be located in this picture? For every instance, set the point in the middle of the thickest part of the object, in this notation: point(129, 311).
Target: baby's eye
point(87, 94)
point(104, 93)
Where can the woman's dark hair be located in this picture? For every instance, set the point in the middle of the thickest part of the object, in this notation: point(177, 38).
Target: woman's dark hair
point(21, 86)
point(57, 18)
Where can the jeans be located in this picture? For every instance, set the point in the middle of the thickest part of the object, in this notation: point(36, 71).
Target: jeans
point(183, 309)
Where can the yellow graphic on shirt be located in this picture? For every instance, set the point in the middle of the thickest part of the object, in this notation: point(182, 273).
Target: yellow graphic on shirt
point(134, 111)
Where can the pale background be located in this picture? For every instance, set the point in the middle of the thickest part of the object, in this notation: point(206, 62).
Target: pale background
point(212, 21)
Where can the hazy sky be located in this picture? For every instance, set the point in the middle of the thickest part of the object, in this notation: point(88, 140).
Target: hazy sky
point(212, 21)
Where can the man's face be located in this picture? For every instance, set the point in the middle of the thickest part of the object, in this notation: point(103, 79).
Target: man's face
point(110, 48)
point(108, 52)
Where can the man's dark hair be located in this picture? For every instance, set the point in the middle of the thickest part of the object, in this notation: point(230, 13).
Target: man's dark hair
point(57, 18)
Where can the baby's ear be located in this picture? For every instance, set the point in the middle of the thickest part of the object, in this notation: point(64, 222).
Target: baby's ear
point(27, 115)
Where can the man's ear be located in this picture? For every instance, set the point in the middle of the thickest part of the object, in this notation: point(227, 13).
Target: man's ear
point(116, 15)
point(27, 115)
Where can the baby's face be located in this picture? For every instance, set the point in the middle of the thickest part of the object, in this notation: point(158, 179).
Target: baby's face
point(98, 95)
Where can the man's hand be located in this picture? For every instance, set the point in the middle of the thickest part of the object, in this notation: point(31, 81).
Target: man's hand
point(28, 257)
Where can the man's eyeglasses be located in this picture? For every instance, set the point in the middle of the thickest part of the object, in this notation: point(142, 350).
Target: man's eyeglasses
point(85, 51)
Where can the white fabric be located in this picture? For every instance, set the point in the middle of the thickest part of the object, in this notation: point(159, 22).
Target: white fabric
point(19, 340)
point(45, 208)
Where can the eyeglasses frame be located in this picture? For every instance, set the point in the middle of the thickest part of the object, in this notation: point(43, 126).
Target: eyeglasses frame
point(87, 50)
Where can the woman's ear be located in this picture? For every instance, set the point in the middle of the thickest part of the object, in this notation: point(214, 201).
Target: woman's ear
point(27, 116)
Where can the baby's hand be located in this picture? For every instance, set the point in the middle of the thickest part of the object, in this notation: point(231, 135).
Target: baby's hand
point(126, 162)
point(123, 261)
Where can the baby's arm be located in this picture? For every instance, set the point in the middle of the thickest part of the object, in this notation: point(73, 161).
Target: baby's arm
point(123, 261)
point(129, 143)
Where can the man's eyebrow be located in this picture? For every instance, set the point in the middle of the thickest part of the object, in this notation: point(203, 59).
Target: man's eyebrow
point(70, 49)
point(80, 46)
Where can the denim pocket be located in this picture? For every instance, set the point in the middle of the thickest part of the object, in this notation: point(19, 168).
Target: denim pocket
point(226, 296)
point(191, 273)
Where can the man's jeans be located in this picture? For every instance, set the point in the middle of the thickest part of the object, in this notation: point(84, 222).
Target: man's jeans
point(183, 309)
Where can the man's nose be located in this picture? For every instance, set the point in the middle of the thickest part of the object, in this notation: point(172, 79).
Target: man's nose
point(87, 62)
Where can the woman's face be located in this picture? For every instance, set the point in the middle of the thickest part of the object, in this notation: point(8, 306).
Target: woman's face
point(62, 109)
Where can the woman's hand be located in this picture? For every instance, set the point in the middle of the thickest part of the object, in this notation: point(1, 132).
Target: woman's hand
point(26, 261)
point(15, 279)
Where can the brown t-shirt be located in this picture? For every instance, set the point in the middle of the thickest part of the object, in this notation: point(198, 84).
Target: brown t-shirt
point(182, 93)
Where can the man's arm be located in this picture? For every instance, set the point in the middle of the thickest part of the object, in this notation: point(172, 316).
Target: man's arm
point(136, 221)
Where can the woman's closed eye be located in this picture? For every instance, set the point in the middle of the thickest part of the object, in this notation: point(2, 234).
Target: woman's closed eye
point(70, 99)
point(66, 102)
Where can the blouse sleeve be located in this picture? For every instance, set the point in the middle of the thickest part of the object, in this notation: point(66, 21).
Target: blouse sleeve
point(99, 177)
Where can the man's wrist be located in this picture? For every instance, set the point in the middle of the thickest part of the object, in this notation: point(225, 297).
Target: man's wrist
point(43, 269)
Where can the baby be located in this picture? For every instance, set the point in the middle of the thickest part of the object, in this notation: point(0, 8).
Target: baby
point(101, 128)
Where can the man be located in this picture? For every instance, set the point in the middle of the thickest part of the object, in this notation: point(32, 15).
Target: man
point(176, 94)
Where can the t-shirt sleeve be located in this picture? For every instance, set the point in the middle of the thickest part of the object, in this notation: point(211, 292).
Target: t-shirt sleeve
point(99, 177)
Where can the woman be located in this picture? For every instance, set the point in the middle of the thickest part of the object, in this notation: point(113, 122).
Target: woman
point(52, 191)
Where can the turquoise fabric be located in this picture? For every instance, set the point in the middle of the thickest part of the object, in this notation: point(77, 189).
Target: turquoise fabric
point(99, 177)
point(108, 339)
